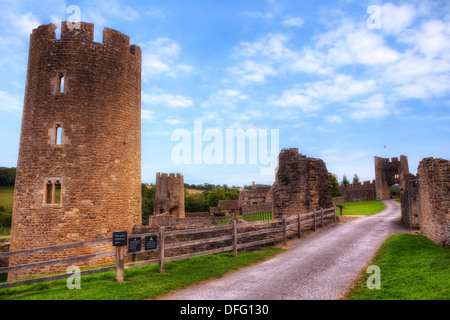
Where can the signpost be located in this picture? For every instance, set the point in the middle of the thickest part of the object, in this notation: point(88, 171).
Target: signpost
point(134, 244)
point(120, 241)
point(151, 242)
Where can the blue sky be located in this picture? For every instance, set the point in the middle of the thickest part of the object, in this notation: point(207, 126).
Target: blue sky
point(330, 83)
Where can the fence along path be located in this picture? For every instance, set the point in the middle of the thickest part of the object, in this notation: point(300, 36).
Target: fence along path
point(278, 231)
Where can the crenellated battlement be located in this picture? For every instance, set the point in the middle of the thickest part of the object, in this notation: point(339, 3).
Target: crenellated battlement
point(84, 35)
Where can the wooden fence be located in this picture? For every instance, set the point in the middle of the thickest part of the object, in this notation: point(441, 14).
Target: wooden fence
point(277, 229)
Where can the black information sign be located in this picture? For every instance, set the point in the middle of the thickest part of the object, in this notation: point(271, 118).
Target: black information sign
point(120, 239)
point(134, 244)
point(151, 242)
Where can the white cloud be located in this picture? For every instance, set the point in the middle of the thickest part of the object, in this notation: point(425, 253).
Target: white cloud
point(293, 22)
point(10, 104)
point(425, 87)
point(159, 58)
point(371, 108)
point(173, 122)
point(333, 118)
point(24, 23)
point(167, 100)
point(147, 114)
point(226, 98)
point(395, 19)
point(294, 98)
point(252, 72)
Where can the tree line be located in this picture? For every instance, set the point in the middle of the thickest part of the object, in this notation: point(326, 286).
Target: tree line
point(7, 177)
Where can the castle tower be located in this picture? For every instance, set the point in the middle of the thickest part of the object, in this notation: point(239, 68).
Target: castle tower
point(169, 195)
point(79, 166)
point(388, 173)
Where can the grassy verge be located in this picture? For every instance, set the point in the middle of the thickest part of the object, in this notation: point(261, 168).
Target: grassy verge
point(141, 283)
point(361, 208)
point(411, 268)
point(262, 216)
point(7, 198)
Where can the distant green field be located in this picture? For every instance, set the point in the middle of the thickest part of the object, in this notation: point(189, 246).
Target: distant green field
point(361, 208)
point(6, 198)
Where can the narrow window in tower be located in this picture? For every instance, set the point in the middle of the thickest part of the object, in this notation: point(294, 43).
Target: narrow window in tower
point(61, 82)
point(48, 191)
point(58, 135)
point(53, 192)
point(57, 193)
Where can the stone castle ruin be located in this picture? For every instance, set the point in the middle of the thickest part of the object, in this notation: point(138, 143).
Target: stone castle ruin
point(169, 195)
point(301, 184)
point(79, 165)
point(389, 173)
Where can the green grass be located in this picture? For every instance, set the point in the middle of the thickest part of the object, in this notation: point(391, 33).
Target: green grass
point(6, 198)
point(261, 216)
point(361, 208)
point(411, 267)
point(141, 283)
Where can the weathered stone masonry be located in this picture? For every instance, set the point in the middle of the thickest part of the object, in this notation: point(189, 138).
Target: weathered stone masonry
point(301, 184)
point(426, 200)
point(388, 173)
point(79, 167)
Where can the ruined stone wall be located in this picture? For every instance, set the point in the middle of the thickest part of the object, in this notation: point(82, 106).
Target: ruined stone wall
point(387, 173)
point(359, 191)
point(79, 165)
point(409, 201)
point(434, 200)
point(169, 195)
point(301, 184)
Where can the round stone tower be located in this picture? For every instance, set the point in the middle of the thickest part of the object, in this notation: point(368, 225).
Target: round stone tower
point(79, 166)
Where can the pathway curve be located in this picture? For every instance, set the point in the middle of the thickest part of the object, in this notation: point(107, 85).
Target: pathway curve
point(320, 267)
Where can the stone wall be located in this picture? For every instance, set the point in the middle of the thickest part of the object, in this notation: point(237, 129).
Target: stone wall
point(169, 195)
point(79, 165)
point(409, 201)
point(434, 200)
point(301, 184)
point(359, 191)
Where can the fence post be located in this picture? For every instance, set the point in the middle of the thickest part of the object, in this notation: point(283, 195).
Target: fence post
point(334, 211)
point(284, 230)
point(314, 220)
point(321, 217)
point(161, 250)
point(120, 264)
point(234, 238)
point(299, 228)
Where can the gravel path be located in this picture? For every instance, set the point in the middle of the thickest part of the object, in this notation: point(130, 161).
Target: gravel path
point(320, 267)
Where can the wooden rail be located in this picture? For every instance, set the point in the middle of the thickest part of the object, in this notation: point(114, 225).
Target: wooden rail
point(279, 226)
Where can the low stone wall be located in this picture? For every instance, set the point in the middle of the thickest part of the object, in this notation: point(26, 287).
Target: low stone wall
point(359, 191)
point(197, 214)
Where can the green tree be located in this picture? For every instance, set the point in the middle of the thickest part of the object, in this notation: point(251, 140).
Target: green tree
point(148, 197)
point(355, 178)
point(345, 181)
point(335, 185)
point(7, 177)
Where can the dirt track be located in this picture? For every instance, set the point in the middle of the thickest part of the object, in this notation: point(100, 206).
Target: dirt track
point(320, 267)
